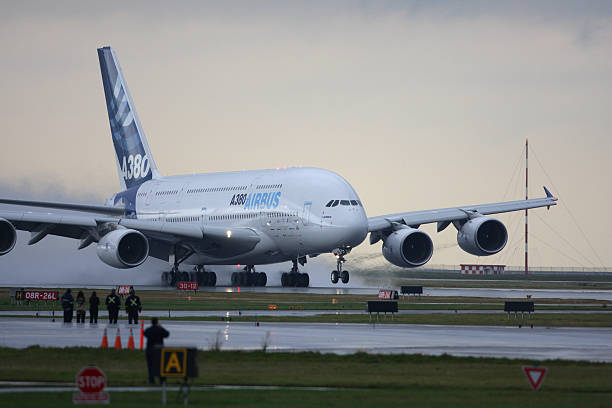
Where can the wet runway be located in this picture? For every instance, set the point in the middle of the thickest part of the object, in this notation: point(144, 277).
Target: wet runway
point(270, 313)
point(592, 344)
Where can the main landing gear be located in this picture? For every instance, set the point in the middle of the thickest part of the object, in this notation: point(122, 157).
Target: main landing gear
point(339, 274)
point(249, 277)
point(198, 275)
point(295, 278)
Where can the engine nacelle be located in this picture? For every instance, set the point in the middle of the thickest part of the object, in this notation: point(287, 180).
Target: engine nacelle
point(123, 248)
point(8, 236)
point(407, 248)
point(482, 236)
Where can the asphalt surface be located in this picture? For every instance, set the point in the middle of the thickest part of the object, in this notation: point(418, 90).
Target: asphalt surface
point(103, 315)
point(590, 344)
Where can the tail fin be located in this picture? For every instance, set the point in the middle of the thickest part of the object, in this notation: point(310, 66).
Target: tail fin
point(134, 160)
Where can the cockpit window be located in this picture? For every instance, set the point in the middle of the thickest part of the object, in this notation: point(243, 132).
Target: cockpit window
point(335, 204)
point(345, 202)
point(354, 202)
point(330, 203)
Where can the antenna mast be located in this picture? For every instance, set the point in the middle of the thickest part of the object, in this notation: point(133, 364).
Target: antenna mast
point(526, 198)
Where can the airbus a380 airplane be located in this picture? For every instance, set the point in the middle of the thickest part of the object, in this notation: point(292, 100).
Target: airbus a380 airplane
point(249, 217)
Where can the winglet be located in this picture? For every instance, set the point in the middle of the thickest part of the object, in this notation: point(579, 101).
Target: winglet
point(549, 194)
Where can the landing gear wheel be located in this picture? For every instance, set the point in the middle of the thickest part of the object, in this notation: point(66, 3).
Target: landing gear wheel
point(306, 280)
point(212, 279)
point(185, 276)
point(335, 276)
point(284, 279)
point(262, 279)
point(344, 276)
point(171, 278)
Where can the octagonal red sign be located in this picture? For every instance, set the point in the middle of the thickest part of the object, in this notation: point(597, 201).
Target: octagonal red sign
point(91, 380)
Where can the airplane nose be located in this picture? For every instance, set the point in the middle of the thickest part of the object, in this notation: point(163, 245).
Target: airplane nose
point(354, 229)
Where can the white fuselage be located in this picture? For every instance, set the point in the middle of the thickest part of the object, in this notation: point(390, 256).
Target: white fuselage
point(286, 207)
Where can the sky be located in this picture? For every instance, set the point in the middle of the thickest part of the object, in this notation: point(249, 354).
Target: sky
point(418, 104)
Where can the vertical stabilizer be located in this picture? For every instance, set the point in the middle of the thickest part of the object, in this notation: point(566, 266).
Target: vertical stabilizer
point(134, 160)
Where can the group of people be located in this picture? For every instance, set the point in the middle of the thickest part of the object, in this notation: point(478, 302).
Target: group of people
point(113, 305)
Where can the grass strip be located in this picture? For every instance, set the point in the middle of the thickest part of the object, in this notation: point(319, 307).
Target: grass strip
point(421, 397)
point(174, 300)
point(308, 369)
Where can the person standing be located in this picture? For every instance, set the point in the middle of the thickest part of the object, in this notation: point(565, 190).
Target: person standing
point(133, 306)
point(80, 306)
point(68, 305)
point(94, 303)
point(155, 335)
point(113, 304)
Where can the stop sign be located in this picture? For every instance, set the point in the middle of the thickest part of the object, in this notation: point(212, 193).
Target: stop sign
point(91, 380)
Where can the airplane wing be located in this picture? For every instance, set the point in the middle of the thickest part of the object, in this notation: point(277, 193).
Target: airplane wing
point(97, 209)
point(217, 241)
point(445, 216)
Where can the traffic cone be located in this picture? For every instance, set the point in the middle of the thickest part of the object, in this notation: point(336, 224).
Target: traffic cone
point(130, 345)
point(104, 340)
point(118, 340)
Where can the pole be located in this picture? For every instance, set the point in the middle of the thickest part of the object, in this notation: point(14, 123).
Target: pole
point(526, 198)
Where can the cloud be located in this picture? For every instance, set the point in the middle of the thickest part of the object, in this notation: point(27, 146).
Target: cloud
point(418, 104)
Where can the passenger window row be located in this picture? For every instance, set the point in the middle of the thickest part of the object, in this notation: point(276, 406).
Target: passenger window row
point(182, 219)
point(215, 189)
point(246, 216)
point(334, 203)
point(164, 193)
point(268, 186)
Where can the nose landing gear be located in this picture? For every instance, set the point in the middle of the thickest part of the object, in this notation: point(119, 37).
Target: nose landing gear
point(338, 273)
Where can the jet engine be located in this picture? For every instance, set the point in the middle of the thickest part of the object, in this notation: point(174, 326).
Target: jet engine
point(8, 236)
point(482, 236)
point(123, 248)
point(407, 247)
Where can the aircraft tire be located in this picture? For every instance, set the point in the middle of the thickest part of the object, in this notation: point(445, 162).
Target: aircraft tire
point(263, 279)
point(234, 279)
point(212, 279)
point(334, 277)
point(344, 276)
point(306, 280)
point(284, 279)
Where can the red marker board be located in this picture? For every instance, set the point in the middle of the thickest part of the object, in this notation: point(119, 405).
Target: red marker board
point(188, 286)
point(39, 295)
point(535, 375)
point(91, 382)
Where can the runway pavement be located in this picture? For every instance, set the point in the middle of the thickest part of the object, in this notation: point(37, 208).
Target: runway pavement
point(591, 344)
point(268, 313)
